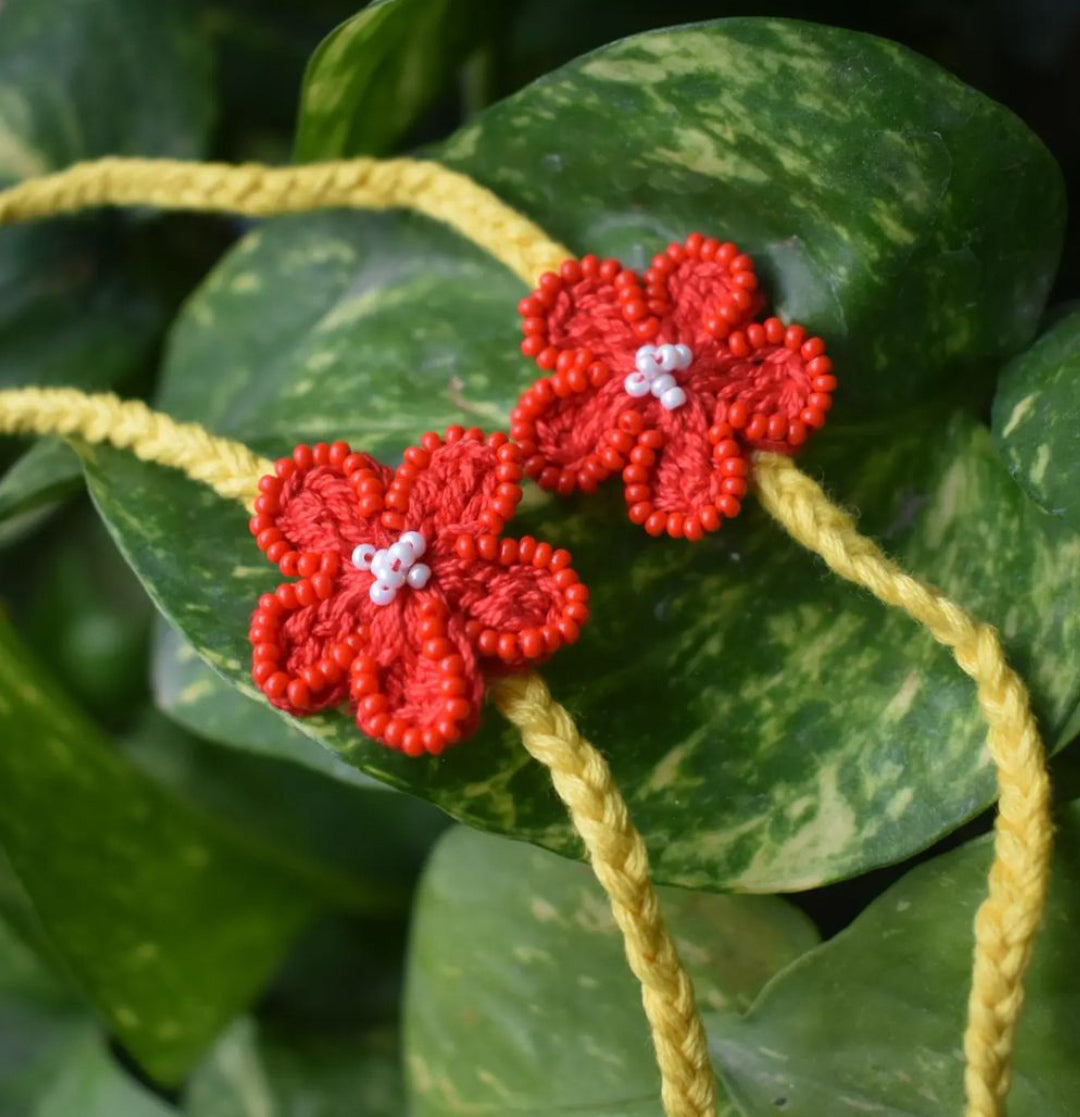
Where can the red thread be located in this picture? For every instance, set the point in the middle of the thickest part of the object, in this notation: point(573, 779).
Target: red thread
point(412, 669)
point(751, 385)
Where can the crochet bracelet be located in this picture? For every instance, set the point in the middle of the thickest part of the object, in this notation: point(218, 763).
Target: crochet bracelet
point(665, 378)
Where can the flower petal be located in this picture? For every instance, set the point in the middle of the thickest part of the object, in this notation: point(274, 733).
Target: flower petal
point(304, 635)
point(701, 290)
point(685, 475)
point(461, 483)
point(587, 308)
point(322, 498)
point(521, 599)
point(563, 432)
point(417, 686)
point(773, 385)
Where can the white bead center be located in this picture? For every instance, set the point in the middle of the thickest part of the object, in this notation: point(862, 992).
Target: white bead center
point(655, 364)
point(394, 566)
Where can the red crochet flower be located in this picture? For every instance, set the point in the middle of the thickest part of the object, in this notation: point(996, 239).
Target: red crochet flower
point(406, 592)
point(667, 379)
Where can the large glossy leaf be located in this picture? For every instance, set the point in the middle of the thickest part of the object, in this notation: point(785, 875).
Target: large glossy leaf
point(359, 848)
point(1037, 419)
point(771, 726)
point(41, 477)
point(374, 75)
point(915, 223)
point(871, 1022)
point(169, 923)
point(519, 998)
point(256, 1070)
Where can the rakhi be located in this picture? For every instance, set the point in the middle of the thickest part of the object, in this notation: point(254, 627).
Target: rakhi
point(391, 550)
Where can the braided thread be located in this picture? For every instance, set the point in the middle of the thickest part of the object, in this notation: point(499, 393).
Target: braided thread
point(260, 191)
point(1008, 918)
point(583, 781)
point(229, 468)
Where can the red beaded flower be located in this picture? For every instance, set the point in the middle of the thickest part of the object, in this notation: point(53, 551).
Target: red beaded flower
point(666, 378)
point(406, 591)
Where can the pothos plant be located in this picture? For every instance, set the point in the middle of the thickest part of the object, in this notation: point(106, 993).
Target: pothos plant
point(204, 916)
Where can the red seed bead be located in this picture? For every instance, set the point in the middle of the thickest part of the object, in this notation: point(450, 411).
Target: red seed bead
point(675, 524)
point(542, 555)
point(452, 686)
point(307, 564)
point(452, 665)
point(526, 548)
point(361, 685)
point(568, 629)
point(578, 611)
point(286, 595)
point(457, 709)
point(393, 733)
point(640, 513)
point(709, 517)
point(812, 348)
point(321, 453)
point(372, 704)
point(298, 694)
point(757, 426)
point(285, 468)
point(376, 725)
point(532, 643)
point(508, 647)
point(438, 647)
point(305, 593)
point(508, 552)
point(729, 506)
point(693, 530)
point(733, 486)
point(656, 524)
point(313, 677)
point(289, 564)
point(303, 457)
point(487, 546)
point(276, 685)
point(262, 671)
point(577, 592)
point(323, 585)
point(487, 642)
point(738, 414)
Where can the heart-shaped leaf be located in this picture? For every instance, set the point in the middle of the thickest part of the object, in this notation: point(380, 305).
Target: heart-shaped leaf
point(913, 222)
point(737, 691)
point(258, 1069)
point(549, 1018)
point(1037, 419)
point(374, 75)
point(114, 838)
point(871, 1022)
point(769, 725)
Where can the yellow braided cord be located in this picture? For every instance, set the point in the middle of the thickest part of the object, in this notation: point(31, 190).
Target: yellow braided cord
point(1008, 918)
point(229, 468)
point(259, 191)
point(583, 781)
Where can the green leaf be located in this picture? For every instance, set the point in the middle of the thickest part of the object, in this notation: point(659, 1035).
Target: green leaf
point(74, 306)
point(1037, 419)
point(359, 848)
point(169, 923)
point(42, 477)
point(373, 76)
point(195, 696)
point(912, 222)
point(871, 1022)
point(261, 1069)
point(513, 952)
point(771, 726)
